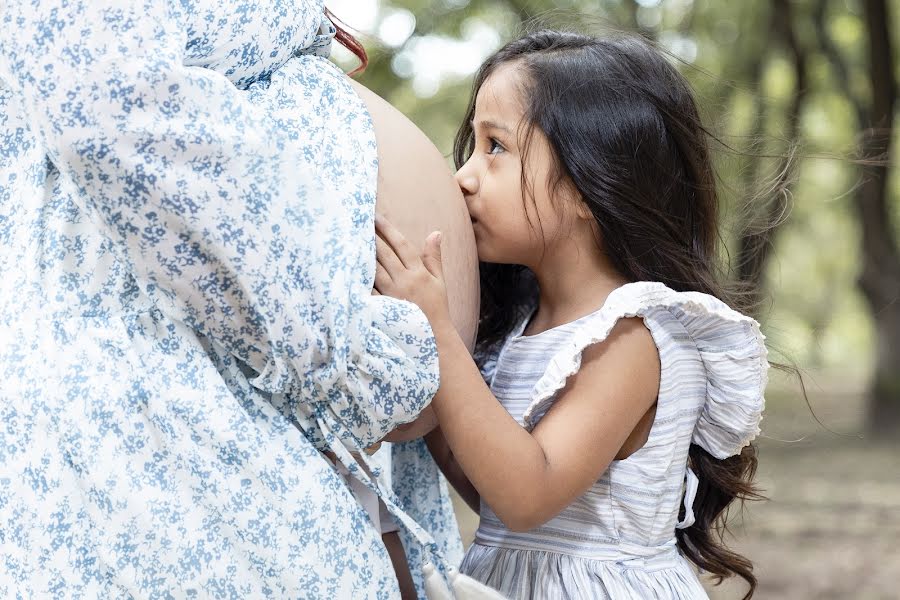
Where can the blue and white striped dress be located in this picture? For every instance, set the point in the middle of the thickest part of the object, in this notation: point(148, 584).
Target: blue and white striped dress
point(618, 539)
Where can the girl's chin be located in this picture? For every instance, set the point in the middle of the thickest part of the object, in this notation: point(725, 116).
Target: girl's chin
point(484, 255)
point(480, 246)
point(485, 252)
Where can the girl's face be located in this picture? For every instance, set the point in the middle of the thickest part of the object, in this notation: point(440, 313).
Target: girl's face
point(510, 226)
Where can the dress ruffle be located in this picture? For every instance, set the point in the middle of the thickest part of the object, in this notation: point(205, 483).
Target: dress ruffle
point(730, 345)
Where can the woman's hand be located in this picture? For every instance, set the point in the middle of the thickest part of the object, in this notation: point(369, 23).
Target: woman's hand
point(423, 424)
point(402, 273)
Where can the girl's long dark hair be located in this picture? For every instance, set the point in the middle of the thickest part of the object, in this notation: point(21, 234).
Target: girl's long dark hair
point(626, 132)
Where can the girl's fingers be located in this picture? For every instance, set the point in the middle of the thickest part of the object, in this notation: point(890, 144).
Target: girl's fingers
point(386, 256)
point(405, 251)
point(431, 257)
point(382, 278)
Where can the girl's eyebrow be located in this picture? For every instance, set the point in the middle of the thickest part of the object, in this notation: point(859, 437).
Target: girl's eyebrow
point(491, 125)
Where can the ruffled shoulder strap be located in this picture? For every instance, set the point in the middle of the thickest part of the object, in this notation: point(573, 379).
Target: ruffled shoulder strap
point(730, 345)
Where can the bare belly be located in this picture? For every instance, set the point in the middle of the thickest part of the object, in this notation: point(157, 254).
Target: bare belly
point(417, 193)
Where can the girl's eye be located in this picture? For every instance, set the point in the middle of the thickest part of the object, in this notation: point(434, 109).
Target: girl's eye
point(495, 146)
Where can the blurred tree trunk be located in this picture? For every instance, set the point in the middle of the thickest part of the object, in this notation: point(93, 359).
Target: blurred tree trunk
point(879, 280)
point(764, 221)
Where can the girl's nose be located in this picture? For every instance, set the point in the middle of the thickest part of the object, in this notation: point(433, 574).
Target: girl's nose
point(467, 180)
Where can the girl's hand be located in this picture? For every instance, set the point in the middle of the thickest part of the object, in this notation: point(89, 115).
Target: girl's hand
point(401, 273)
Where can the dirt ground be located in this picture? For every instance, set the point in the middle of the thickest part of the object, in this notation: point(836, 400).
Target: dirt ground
point(831, 526)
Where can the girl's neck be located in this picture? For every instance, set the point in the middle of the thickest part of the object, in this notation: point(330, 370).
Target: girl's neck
point(572, 285)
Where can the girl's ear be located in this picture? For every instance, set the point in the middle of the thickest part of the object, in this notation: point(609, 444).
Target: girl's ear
point(581, 208)
point(572, 197)
point(582, 211)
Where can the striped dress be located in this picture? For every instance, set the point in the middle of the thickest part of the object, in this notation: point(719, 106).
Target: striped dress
point(618, 539)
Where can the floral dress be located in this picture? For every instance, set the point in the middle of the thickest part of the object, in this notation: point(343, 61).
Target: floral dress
point(187, 190)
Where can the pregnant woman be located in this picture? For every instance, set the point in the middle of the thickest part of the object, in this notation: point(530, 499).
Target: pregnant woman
point(186, 200)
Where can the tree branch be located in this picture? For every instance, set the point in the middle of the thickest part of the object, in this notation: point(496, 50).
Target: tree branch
point(837, 62)
point(756, 242)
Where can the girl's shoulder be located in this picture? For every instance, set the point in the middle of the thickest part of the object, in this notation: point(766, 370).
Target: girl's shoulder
point(729, 344)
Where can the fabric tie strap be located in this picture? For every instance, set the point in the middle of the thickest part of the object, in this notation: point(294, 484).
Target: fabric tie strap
point(690, 492)
point(462, 587)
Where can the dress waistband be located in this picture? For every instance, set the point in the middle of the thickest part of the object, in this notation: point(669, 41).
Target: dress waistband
point(624, 554)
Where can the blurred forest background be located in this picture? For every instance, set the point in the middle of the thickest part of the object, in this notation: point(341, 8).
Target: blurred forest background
point(804, 93)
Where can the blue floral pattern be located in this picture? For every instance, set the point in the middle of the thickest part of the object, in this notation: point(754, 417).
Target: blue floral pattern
point(186, 199)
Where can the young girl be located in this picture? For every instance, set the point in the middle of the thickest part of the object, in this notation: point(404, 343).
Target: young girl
point(610, 425)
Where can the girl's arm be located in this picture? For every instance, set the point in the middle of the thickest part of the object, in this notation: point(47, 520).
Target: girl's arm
point(443, 456)
point(526, 478)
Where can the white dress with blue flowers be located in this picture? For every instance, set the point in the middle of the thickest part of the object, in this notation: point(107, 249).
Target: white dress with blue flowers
point(617, 540)
point(186, 258)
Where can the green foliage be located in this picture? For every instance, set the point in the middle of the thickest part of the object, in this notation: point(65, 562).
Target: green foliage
point(745, 81)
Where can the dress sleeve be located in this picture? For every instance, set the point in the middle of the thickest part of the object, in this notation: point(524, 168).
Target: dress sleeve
point(730, 345)
point(208, 202)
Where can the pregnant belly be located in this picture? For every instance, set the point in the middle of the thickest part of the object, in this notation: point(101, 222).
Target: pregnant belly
point(417, 192)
